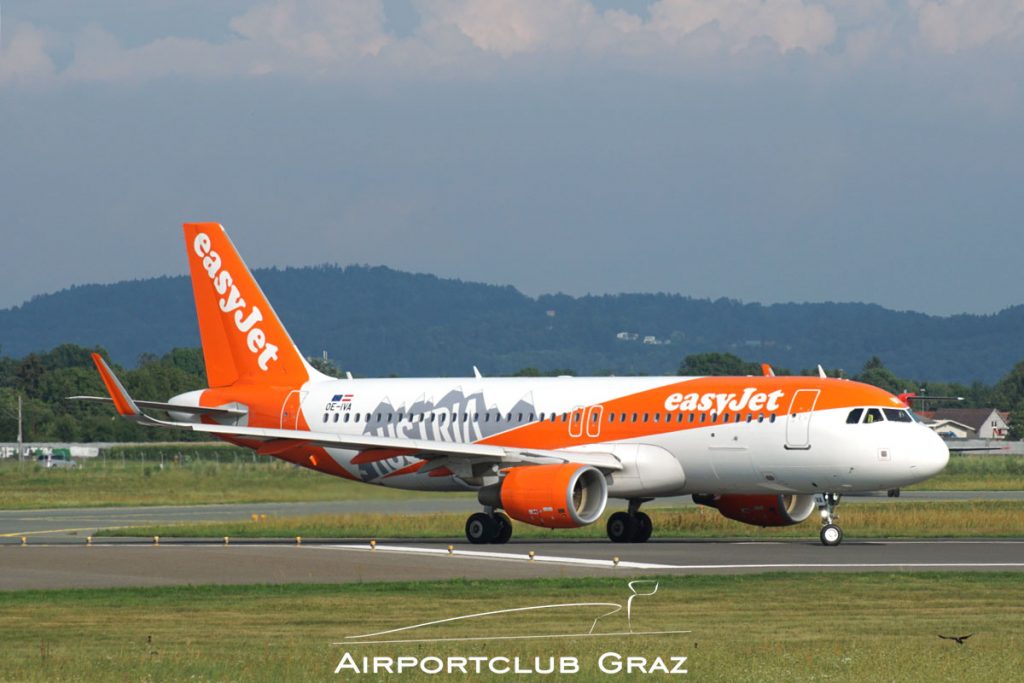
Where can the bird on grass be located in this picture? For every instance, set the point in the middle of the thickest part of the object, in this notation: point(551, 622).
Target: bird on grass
point(959, 639)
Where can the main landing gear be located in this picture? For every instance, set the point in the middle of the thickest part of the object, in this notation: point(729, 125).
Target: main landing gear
point(831, 534)
point(632, 526)
point(488, 527)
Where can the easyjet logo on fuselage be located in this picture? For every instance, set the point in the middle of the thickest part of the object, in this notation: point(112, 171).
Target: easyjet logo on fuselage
point(750, 399)
point(231, 301)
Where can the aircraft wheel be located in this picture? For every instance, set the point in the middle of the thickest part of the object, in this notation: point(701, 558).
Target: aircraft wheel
point(481, 528)
point(504, 528)
point(644, 527)
point(621, 527)
point(831, 535)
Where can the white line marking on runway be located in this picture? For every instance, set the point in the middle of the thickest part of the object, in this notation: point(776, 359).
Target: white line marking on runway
point(591, 562)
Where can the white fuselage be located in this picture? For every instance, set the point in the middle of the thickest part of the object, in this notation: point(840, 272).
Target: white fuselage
point(769, 450)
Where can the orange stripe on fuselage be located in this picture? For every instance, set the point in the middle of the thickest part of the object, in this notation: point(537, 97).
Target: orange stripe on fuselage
point(726, 391)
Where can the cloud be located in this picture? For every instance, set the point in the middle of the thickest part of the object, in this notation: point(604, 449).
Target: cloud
point(789, 24)
point(322, 39)
point(951, 26)
point(23, 58)
point(319, 30)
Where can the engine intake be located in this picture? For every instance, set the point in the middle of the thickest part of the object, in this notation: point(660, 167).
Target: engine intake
point(767, 510)
point(562, 496)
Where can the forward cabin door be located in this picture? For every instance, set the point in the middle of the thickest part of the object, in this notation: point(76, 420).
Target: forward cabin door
point(291, 409)
point(798, 420)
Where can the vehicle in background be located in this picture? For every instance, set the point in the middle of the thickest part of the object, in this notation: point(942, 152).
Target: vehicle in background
point(57, 460)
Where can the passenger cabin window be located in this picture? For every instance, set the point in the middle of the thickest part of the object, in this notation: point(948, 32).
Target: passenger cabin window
point(325, 417)
point(336, 416)
point(854, 416)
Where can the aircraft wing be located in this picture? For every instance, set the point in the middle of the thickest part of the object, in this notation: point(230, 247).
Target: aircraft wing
point(371, 448)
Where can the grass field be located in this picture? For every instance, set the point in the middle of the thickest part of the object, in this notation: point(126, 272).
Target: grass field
point(151, 476)
point(773, 627)
point(977, 472)
point(112, 482)
point(863, 520)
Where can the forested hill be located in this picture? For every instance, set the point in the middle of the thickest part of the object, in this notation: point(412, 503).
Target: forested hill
point(377, 321)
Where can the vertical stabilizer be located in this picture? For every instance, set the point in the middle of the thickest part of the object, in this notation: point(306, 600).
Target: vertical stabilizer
point(243, 339)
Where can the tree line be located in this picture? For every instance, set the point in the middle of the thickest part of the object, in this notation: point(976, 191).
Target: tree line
point(45, 380)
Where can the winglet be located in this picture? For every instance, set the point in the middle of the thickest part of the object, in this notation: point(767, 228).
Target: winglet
point(767, 370)
point(122, 401)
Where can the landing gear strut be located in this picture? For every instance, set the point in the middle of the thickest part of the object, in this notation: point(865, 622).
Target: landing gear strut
point(488, 527)
point(831, 534)
point(632, 526)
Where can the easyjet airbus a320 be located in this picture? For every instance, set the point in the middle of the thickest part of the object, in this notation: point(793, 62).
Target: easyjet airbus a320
point(551, 452)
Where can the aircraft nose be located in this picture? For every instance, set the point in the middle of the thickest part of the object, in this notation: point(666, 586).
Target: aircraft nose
point(931, 455)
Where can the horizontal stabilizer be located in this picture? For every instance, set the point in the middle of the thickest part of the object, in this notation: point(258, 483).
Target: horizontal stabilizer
point(169, 407)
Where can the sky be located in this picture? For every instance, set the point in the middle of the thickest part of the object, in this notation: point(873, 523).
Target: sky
point(761, 150)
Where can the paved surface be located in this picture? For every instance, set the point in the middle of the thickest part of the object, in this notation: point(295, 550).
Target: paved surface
point(56, 555)
point(136, 564)
point(76, 523)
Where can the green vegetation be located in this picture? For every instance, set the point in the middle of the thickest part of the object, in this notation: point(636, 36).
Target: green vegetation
point(45, 380)
point(977, 472)
point(379, 322)
point(227, 475)
point(878, 627)
point(861, 520)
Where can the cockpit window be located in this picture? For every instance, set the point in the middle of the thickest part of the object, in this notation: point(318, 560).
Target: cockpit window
point(854, 416)
point(873, 415)
point(896, 415)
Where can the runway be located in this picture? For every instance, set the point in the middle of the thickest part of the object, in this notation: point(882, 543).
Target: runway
point(123, 563)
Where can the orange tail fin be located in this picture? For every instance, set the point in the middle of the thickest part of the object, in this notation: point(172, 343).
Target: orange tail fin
point(243, 339)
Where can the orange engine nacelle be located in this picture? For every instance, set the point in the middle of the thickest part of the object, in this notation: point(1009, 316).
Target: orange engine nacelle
point(779, 510)
point(554, 496)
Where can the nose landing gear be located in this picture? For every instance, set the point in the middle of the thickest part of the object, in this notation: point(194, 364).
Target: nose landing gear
point(831, 534)
point(632, 526)
point(488, 527)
